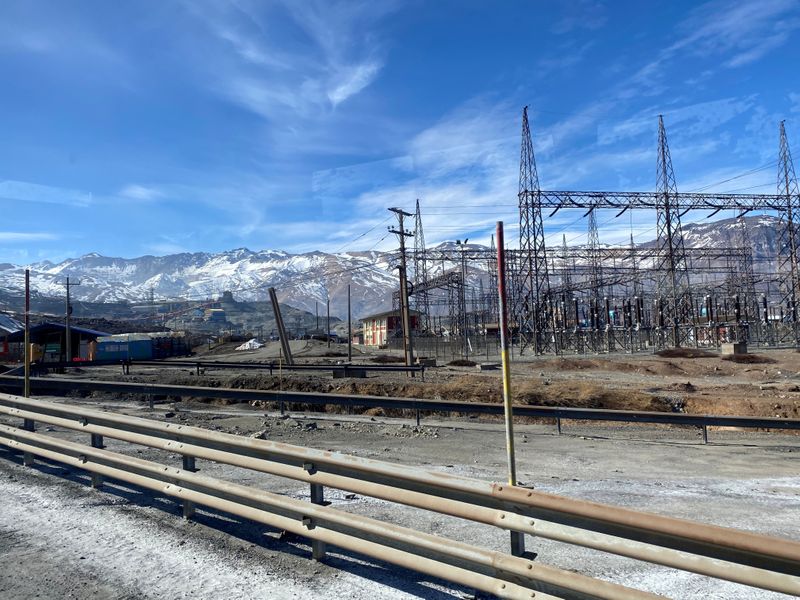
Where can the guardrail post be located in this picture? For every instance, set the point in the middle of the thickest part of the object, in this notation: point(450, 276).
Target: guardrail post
point(558, 424)
point(97, 442)
point(417, 417)
point(317, 497)
point(188, 505)
point(705, 434)
point(517, 543)
point(27, 457)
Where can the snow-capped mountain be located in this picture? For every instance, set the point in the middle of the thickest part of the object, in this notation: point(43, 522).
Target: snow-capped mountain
point(301, 280)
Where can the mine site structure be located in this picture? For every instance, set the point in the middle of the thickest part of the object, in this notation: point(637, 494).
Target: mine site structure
point(597, 298)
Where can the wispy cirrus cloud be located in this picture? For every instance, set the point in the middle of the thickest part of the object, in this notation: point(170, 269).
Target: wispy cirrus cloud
point(581, 14)
point(340, 56)
point(12, 237)
point(144, 193)
point(23, 191)
point(742, 31)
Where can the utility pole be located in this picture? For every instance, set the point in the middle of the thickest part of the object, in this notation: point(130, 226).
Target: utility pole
point(328, 323)
point(402, 234)
point(26, 391)
point(68, 332)
point(349, 328)
point(316, 311)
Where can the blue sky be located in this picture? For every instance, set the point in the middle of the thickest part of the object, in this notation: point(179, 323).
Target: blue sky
point(153, 127)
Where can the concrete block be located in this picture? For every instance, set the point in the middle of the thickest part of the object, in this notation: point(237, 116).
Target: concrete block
point(350, 372)
point(488, 366)
point(736, 348)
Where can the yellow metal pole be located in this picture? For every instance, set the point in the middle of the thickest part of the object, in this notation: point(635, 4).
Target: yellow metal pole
point(517, 539)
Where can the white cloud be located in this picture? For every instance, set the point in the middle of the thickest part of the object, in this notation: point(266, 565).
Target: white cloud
point(139, 192)
point(24, 191)
point(340, 57)
point(354, 79)
point(745, 29)
point(794, 98)
point(581, 14)
point(10, 237)
point(695, 119)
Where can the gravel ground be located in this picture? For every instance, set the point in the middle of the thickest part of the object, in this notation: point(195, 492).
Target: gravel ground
point(61, 539)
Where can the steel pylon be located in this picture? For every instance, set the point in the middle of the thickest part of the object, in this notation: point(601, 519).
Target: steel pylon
point(532, 312)
point(674, 297)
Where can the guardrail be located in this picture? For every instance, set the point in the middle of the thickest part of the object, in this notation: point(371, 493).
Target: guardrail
point(416, 405)
point(198, 365)
point(742, 557)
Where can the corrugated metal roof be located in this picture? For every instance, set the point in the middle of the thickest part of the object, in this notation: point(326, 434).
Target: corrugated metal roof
point(42, 328)
point(8, 325)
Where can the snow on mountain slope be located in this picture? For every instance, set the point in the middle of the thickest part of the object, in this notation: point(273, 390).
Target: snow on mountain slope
point(301, 280)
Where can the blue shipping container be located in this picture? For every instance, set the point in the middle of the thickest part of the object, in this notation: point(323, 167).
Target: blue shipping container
point(124, 350)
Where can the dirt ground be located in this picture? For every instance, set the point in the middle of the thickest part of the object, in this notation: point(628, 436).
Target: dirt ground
point(61, 539)
point(767, 384)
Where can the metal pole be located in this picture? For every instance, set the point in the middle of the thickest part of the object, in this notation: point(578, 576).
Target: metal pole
point(26, 349)
point(349, 328)
point(67, 329)
point(517, 539)
point(328, 323)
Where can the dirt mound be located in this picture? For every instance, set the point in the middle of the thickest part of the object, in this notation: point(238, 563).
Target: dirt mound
point(685, 353)
point(461, 362)
point(750, 359)
point(619, 365)
point(585, 395)
point(383, 359)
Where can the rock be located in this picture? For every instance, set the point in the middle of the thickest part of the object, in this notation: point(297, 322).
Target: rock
point(259, 435)
point(169, 415)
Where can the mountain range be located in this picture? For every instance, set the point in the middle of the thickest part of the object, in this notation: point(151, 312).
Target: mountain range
point(304, 281)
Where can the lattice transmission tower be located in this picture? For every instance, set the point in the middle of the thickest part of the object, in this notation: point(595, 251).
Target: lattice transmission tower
point(788, 190)
point(421, 300)
point(597, 291)
point(673, 288)
point(534, 286)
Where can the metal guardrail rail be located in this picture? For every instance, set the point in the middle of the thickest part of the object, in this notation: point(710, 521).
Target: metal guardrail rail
point(558, 413)
point(747, 558)
point(223, 365)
